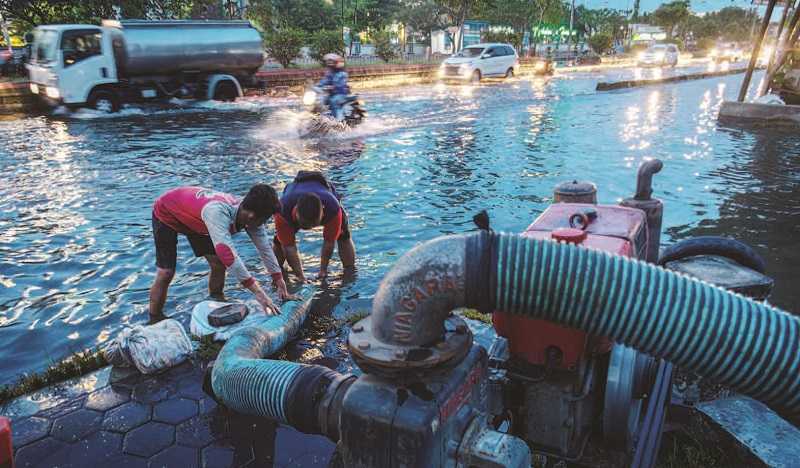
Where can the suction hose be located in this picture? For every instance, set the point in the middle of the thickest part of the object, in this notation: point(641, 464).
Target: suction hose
point(303, 396)
point(735, 341)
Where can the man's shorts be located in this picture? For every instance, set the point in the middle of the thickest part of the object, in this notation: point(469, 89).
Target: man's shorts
point(166, 240)
point(344, 233)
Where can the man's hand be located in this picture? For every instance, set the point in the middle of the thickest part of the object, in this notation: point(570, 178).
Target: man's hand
point(266, 303)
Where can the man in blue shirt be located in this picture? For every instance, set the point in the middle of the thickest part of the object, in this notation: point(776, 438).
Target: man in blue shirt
point(335, 83)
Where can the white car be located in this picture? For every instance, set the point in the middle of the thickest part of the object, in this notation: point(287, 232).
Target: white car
point(481, 60)
point(727, 53)
point(658, 55)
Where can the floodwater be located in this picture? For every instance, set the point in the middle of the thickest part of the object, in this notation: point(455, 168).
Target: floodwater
point(76, 252)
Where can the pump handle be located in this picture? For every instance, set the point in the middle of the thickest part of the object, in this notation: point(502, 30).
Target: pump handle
point(644, 179)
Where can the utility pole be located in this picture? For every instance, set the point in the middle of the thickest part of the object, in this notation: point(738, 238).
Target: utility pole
point(571, 19)
point(756, 50)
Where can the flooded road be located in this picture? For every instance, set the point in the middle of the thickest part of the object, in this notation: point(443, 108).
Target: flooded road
point(76, 251)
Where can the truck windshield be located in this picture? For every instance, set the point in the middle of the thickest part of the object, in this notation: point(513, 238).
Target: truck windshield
point(45, 42)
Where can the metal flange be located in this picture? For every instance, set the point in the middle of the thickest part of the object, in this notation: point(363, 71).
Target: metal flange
point(391, 360)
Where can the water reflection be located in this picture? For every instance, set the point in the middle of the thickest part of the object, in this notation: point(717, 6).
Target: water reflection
point(76, 254)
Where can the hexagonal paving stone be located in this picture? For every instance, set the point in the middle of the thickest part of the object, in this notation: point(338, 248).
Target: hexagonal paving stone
point(225, 453)
point(62, 409)
point(191, 388)
point(126, 417)
point(76, 425)
point(152, 391)
point(127, 461)
point(147, 440)
point(207, 405)
point(29, 430)
point(45, 452)
point(176, 457)
point(196, 432)
point(107, 398)
point(175, 410)
point(97, 449)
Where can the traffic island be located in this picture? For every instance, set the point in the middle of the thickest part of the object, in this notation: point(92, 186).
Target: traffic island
point(614, 85)
point(756, 113)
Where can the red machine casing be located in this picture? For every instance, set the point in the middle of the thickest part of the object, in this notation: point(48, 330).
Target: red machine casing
point(616, 229)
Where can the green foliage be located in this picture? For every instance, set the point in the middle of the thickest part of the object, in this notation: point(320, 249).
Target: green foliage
point(308, 15)
point(505, 37)
point(705, 44)
point(260, 13)
point(601, 42)
point(605, 20)
point(284, 44)
point(670, 15)
point(325, 42)
point(383, 46)
point(422, 16)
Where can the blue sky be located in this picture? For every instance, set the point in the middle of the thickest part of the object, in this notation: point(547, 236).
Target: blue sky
point(650, 5)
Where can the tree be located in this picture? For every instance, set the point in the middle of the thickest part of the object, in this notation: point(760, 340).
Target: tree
point(601, 42)
point(284, 45)
point(260, 13)
point(383, 46)
point(308, 15)
point(26, 14)
point(513, 38)
point(458, 11)
point(326, 42)
point(670, 15)
point(422, 16)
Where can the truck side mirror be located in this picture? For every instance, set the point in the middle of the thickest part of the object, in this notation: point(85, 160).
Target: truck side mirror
point(28, 37)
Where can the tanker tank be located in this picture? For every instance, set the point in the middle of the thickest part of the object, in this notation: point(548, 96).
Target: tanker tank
point(163, 48)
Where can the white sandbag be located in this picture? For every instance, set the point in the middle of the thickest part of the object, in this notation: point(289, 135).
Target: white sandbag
point(770, 99)
point(150, 348)
point(200, 327)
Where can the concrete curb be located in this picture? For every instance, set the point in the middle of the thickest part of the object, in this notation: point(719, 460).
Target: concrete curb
point(605, 86)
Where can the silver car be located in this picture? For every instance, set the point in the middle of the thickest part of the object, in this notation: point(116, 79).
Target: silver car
point(481, 60)
point(658, 55)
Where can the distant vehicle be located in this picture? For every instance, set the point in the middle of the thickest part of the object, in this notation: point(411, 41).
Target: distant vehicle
point(481, 60)
point(11, 61)
point(658, 55)
point(102, 67)
point(322, 120)
point(727, 53)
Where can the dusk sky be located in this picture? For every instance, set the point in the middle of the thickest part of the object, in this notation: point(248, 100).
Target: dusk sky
point(650, 5)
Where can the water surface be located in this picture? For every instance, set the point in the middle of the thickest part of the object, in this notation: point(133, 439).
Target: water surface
point(76, 251)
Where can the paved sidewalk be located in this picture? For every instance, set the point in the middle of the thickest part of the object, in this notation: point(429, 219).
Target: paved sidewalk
point(111, 420)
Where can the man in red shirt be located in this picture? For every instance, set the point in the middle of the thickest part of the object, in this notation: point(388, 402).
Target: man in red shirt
point(208, 219)
point(311, 201)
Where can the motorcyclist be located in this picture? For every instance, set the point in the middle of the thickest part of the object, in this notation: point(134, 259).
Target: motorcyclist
point(335, 84)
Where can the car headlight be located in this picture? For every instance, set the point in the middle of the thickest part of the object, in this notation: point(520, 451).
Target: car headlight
point(52, 93)
point(34, 88)
point(539, 66)
point(660, 56)
point(309, 98)
point(713, 52)
point(640, 55)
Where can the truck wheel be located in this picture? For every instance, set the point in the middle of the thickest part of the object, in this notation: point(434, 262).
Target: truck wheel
point(225, 91)
point(103, 100)
point(510, 73)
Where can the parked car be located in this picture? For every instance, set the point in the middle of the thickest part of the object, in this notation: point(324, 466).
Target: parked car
point(658, 55)
point(727, 53)
point(481, 60)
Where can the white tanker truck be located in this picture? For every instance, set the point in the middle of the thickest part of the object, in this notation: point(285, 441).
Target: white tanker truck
point(103, 67)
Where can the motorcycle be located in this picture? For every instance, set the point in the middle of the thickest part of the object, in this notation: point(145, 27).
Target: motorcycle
point(323, 120)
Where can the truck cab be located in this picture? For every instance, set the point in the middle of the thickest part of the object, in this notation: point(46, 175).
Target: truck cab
point(69, 61)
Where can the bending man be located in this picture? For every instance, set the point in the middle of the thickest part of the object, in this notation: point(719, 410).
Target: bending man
point(311, 201)
point(208, 219)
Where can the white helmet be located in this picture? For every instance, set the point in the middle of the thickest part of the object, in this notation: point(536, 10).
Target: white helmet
point(333, 60)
